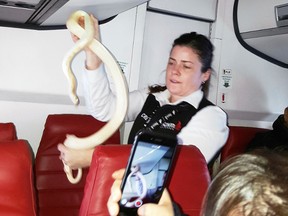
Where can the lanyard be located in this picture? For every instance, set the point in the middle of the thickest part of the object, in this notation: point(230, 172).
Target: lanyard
point(152, 124)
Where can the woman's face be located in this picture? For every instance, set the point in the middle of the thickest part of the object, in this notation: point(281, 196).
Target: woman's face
point(183, 73)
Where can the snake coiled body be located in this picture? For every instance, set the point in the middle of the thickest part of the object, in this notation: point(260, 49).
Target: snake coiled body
point(86, 39)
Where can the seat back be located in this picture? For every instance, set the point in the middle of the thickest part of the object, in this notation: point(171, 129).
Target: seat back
point(238, 140)
point(188, 184)
point(7, 131)
point(56, 195)
point(17, 196)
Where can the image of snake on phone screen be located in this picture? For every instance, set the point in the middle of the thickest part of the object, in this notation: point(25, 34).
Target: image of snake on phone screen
point(147, 171)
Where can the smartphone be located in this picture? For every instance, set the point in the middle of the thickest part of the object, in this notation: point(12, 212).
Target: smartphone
point(147, 170)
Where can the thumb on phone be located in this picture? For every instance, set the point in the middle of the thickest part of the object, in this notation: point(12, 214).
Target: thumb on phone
point(164, 207)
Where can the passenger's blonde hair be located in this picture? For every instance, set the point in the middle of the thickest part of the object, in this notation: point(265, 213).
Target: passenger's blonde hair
point(253, 184)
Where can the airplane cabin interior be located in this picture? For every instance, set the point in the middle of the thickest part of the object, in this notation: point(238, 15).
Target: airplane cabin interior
point(248, 82)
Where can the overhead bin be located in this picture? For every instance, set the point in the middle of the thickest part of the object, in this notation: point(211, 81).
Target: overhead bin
point(261, 26)
point(52, 14)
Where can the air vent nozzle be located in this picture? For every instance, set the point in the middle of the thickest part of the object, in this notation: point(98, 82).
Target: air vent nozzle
point(281, 15)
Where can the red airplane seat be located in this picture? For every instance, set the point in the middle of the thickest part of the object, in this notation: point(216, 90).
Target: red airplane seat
point(238, 140)
point(188, 184)
point(16, 179)
point(56, 195)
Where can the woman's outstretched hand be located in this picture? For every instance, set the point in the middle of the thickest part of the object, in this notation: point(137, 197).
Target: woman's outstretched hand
point(92, 61)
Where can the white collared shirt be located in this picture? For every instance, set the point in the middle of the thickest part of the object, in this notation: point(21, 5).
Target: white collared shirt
point(207, 129)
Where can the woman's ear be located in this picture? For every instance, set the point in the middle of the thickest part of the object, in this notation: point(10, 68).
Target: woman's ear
point(206, 75)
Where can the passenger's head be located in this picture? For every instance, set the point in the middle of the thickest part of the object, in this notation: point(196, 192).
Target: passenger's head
point(189, 64)
point(254, 184)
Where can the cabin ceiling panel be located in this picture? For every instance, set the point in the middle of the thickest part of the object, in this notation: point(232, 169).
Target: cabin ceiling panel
point(20, 14)
point(102, 9)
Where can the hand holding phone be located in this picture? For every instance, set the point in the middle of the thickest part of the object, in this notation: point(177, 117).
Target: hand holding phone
point(147, 171)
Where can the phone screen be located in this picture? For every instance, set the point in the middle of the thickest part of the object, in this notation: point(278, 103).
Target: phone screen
point(147, 171)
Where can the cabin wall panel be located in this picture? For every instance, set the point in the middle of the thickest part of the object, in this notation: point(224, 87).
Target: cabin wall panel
point(258, 89)
point(32, 83)
point(160, 32)
point(204, 9)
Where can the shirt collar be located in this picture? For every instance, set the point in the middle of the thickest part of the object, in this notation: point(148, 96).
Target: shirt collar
point(193, 99)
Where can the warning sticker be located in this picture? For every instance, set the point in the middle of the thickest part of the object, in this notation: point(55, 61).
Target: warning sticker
point(226, 79)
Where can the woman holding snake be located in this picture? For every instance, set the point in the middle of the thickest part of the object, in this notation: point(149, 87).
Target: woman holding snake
point(179, 107)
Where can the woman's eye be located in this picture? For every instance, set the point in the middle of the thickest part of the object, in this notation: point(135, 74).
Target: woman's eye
point(187, 67)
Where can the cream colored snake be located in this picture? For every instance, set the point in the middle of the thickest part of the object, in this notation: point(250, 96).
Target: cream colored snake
point(86, 39)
